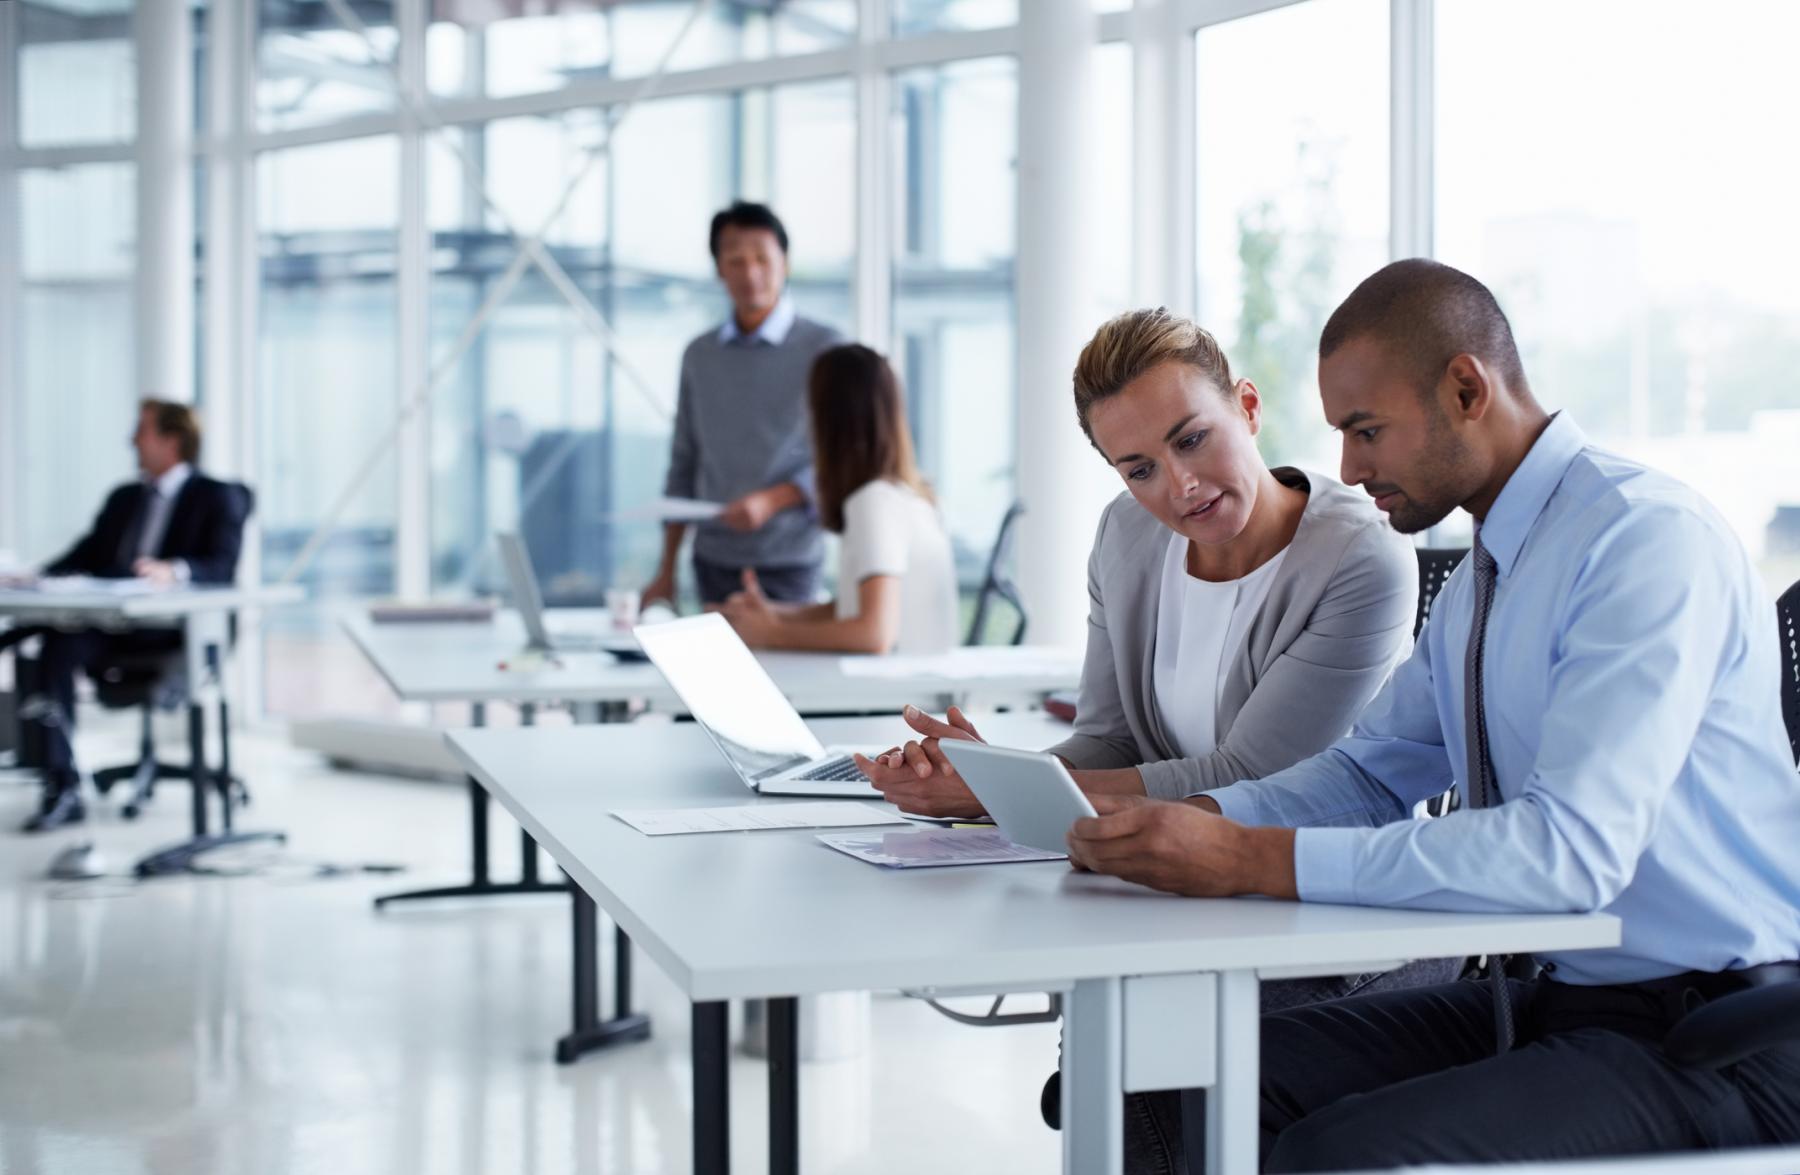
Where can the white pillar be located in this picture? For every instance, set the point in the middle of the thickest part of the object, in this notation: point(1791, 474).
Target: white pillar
point(165, 200)
point(1058, 474)
point(873, 273)
point(12, 457)
point(412, 287)
point(226, 204)
point(1162, 157)
point(1411, 115)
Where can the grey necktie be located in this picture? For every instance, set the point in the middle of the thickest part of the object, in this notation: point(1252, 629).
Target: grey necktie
point(1483, 790)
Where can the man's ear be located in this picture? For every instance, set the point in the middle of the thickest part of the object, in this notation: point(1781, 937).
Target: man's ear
point(1470, 386)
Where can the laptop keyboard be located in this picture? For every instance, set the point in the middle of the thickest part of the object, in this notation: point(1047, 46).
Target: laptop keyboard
point(832, 771)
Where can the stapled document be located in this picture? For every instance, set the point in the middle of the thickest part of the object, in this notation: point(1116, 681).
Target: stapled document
point(932, 847)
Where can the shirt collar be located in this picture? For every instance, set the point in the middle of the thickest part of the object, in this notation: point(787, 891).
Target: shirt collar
point(1528, 490)
point(773, 331)
point(170, 483)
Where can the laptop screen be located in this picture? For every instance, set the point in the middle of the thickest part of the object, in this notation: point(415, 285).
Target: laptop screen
point(523, 582)
point(730, 694)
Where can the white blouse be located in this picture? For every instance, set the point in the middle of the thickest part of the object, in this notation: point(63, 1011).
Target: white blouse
point(890, 530)
point(1200, 626)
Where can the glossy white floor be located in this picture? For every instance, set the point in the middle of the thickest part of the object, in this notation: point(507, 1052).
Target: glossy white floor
point(275, 1025)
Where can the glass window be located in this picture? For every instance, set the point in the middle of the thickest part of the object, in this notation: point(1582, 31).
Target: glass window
point(1292, 195)
point(912, 17)
point(327, 398)
point(955, 131)
point(77, 72)
point(75, 367)
point(1636, 220)
point(312, 70)
point(541, 428)
point(472, 50)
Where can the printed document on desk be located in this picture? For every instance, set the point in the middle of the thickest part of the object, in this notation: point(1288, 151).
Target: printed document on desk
point(933, 847)
point(752, 817)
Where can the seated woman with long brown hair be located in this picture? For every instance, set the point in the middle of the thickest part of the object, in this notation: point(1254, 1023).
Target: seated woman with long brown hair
point(896, 576)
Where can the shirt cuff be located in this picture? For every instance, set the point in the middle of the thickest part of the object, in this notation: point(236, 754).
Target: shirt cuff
point(1235, 803)
point(1325, 864)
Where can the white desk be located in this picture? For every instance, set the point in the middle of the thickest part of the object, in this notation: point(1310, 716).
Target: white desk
point(1160, 991)
point(463, 662)
point(202, 612)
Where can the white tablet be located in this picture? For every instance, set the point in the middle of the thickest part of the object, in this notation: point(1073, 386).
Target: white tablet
point(1029, 794)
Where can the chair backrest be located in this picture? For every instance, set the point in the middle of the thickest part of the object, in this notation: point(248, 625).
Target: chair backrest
point(997, 582)
point(246, 498)
point(1787, 616)
point(1435, 566)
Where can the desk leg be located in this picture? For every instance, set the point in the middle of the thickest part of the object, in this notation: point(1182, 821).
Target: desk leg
point(1093, 1082)
point(480, 885)
point(784, 1087)
point(1233, 1133)
point(712, 1090)
point(591, 1032)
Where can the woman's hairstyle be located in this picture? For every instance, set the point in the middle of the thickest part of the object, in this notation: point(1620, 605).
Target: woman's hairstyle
point(859, 432)
point(1131, 344)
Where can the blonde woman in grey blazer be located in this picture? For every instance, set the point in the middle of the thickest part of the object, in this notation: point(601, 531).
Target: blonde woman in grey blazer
point(1239, 617)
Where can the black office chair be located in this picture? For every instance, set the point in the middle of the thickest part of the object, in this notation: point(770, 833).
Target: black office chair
point(158, 681)
point(1787, 620)
point(1725, 1031)
point(998, 584)
point(1435, 566)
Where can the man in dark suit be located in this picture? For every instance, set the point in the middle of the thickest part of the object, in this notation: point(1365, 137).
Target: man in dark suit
point(173, 525)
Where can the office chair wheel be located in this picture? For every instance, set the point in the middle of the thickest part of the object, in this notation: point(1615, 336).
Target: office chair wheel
point(129, 811)
point(1050, 1101)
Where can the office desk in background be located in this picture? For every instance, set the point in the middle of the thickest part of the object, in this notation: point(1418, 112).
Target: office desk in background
point(1160, 992)
point(202, 612)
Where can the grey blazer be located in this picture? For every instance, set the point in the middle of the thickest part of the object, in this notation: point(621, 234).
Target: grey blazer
point(1337, 620)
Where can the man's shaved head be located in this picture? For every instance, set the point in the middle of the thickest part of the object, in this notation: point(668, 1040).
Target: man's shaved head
point(1423, 314)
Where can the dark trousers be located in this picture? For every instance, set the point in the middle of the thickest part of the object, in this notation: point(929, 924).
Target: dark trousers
point(63, 655)
point(1410, 1077)
point(784, 585)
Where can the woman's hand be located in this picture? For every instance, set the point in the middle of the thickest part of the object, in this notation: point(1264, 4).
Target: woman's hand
point(918, 777)
point(751, 613)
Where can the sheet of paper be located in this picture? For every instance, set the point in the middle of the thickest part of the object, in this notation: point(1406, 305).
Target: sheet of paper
point(752, 817)
point(671, 510)
point(968, 664)
point(74, 584)
point(932, 847)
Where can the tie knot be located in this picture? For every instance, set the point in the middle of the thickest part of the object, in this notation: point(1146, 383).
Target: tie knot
point(1484, 559)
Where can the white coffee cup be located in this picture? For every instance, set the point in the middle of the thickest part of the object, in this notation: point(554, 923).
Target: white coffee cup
point(622, 607)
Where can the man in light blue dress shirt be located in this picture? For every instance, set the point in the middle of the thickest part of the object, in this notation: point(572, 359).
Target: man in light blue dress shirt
point(1631, 759)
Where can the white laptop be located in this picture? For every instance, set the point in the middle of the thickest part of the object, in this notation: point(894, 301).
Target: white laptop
point(750, 720)
point(530, 603)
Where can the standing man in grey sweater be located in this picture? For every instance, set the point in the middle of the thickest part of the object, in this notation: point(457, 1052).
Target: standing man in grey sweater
point(741, 434)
